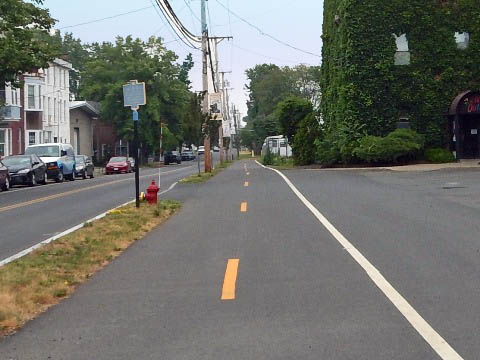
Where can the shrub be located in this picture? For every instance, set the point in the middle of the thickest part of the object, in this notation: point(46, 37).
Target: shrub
point(327, 153)
point(303, 144)
point(268, 158)
point(438, 156)
point(401, 144)
point(338, 144)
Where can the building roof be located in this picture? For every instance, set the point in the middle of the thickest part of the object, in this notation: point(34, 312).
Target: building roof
point(90, 107)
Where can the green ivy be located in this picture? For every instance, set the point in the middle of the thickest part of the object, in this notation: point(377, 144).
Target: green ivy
point(360, 83)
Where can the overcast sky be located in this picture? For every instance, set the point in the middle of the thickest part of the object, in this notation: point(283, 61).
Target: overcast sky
point(297, 23)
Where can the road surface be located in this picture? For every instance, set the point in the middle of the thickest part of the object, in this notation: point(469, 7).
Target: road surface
point(247, 270)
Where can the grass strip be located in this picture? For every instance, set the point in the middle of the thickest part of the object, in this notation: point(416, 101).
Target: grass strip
point(202, 177)
point(32, 284)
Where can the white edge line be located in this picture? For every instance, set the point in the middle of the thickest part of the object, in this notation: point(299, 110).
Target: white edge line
point(441, 347)
point(69, 231)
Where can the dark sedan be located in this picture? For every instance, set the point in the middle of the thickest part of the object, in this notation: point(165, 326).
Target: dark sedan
point(118, 164)
point(4, 177)
point(83, 166)
point(26, 170)
point(172, 157)
point(188, 155)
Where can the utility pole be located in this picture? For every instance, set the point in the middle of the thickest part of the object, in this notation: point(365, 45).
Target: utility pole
point(206, 141)
point(205, 53)
point(225, 109)
point(236, 131)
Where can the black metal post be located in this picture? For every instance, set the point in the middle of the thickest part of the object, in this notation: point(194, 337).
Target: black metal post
point(137, 178)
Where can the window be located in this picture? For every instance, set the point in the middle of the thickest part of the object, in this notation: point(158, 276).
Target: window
point(31, 96)
point(31, 138)
point(55, 119)
point(20, 139)
point(274, 143)
point(39, 97)
point(2, 142)
point(402, 54)
point(462, 40)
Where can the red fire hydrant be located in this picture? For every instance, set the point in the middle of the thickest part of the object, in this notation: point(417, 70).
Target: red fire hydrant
point(152, 192)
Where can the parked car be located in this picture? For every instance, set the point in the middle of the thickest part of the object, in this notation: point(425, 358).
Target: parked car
point(188, 155)
point(4, 177)
point(201, 150)
point(118, 164)
point(172, 157)
point(132, 163)
point(59, 158)
point(216, 149)
point(83, 166)
point(26, 170)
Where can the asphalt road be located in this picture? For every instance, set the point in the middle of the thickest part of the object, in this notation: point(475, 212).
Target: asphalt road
point(31, 215)
point(295, 292)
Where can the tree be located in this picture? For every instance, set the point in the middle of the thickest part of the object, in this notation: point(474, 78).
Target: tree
point(197, 124)
point(269, 86)
point(304, 149)
point(290, 113)
point(111, 65)
point(21, 45)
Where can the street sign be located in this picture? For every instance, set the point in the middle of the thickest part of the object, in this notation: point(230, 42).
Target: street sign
point(134, 95)
point(215, 106)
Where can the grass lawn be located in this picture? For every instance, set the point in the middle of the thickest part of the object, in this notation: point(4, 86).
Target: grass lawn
point(33, 283)
point(202, 177)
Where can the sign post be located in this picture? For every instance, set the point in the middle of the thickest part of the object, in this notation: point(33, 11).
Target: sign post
point(134, 96)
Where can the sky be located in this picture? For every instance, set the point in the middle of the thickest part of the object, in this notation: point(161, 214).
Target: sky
point(297, 23)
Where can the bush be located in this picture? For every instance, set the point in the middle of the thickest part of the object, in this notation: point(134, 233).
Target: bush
point(439, 156)
point(338, 144)
point(408, 135)
point(268, 158)
point(327, 153)
point(303, 150)
point(401, 144)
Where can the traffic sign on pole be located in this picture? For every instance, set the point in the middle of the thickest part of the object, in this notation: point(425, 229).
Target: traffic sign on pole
point(134, 96)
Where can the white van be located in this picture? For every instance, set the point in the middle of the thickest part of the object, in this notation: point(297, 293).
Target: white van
point(59, 158)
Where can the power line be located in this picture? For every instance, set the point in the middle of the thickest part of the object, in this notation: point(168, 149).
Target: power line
point(191, 11)
point(263, 55)
point(170, 14)
point(267, 35)
point(211, 64)
point(106, 18)
point(181, 32)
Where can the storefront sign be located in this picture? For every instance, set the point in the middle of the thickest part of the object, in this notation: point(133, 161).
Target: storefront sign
point(470, 105)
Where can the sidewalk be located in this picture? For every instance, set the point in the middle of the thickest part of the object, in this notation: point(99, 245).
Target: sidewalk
point(462, 164)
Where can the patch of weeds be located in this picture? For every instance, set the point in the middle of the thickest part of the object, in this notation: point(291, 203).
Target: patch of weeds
point(58, 293)
point(31, 284)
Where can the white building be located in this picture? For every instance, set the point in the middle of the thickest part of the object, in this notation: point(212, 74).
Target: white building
point(47, 104)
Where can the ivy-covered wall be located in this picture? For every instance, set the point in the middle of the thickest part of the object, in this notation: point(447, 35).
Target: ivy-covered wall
point(361, 84)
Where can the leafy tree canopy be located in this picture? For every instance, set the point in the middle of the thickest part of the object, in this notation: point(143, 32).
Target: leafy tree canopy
point(111, 65)
point(21, 46)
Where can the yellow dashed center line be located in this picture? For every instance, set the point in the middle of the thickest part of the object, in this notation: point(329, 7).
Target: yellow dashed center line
point(243, 207)
point(56, 196)
point(228, 290)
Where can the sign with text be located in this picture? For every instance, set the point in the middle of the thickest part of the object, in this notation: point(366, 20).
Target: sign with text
point(134, 95)
point(470, 105)
point(215, 106)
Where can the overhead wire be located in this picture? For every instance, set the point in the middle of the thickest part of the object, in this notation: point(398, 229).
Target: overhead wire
point(167, 24)
point(211, 65)
point(192, 12)
point(107, 18)
point(268, 35)
point(187, 38)
point(168, 11)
